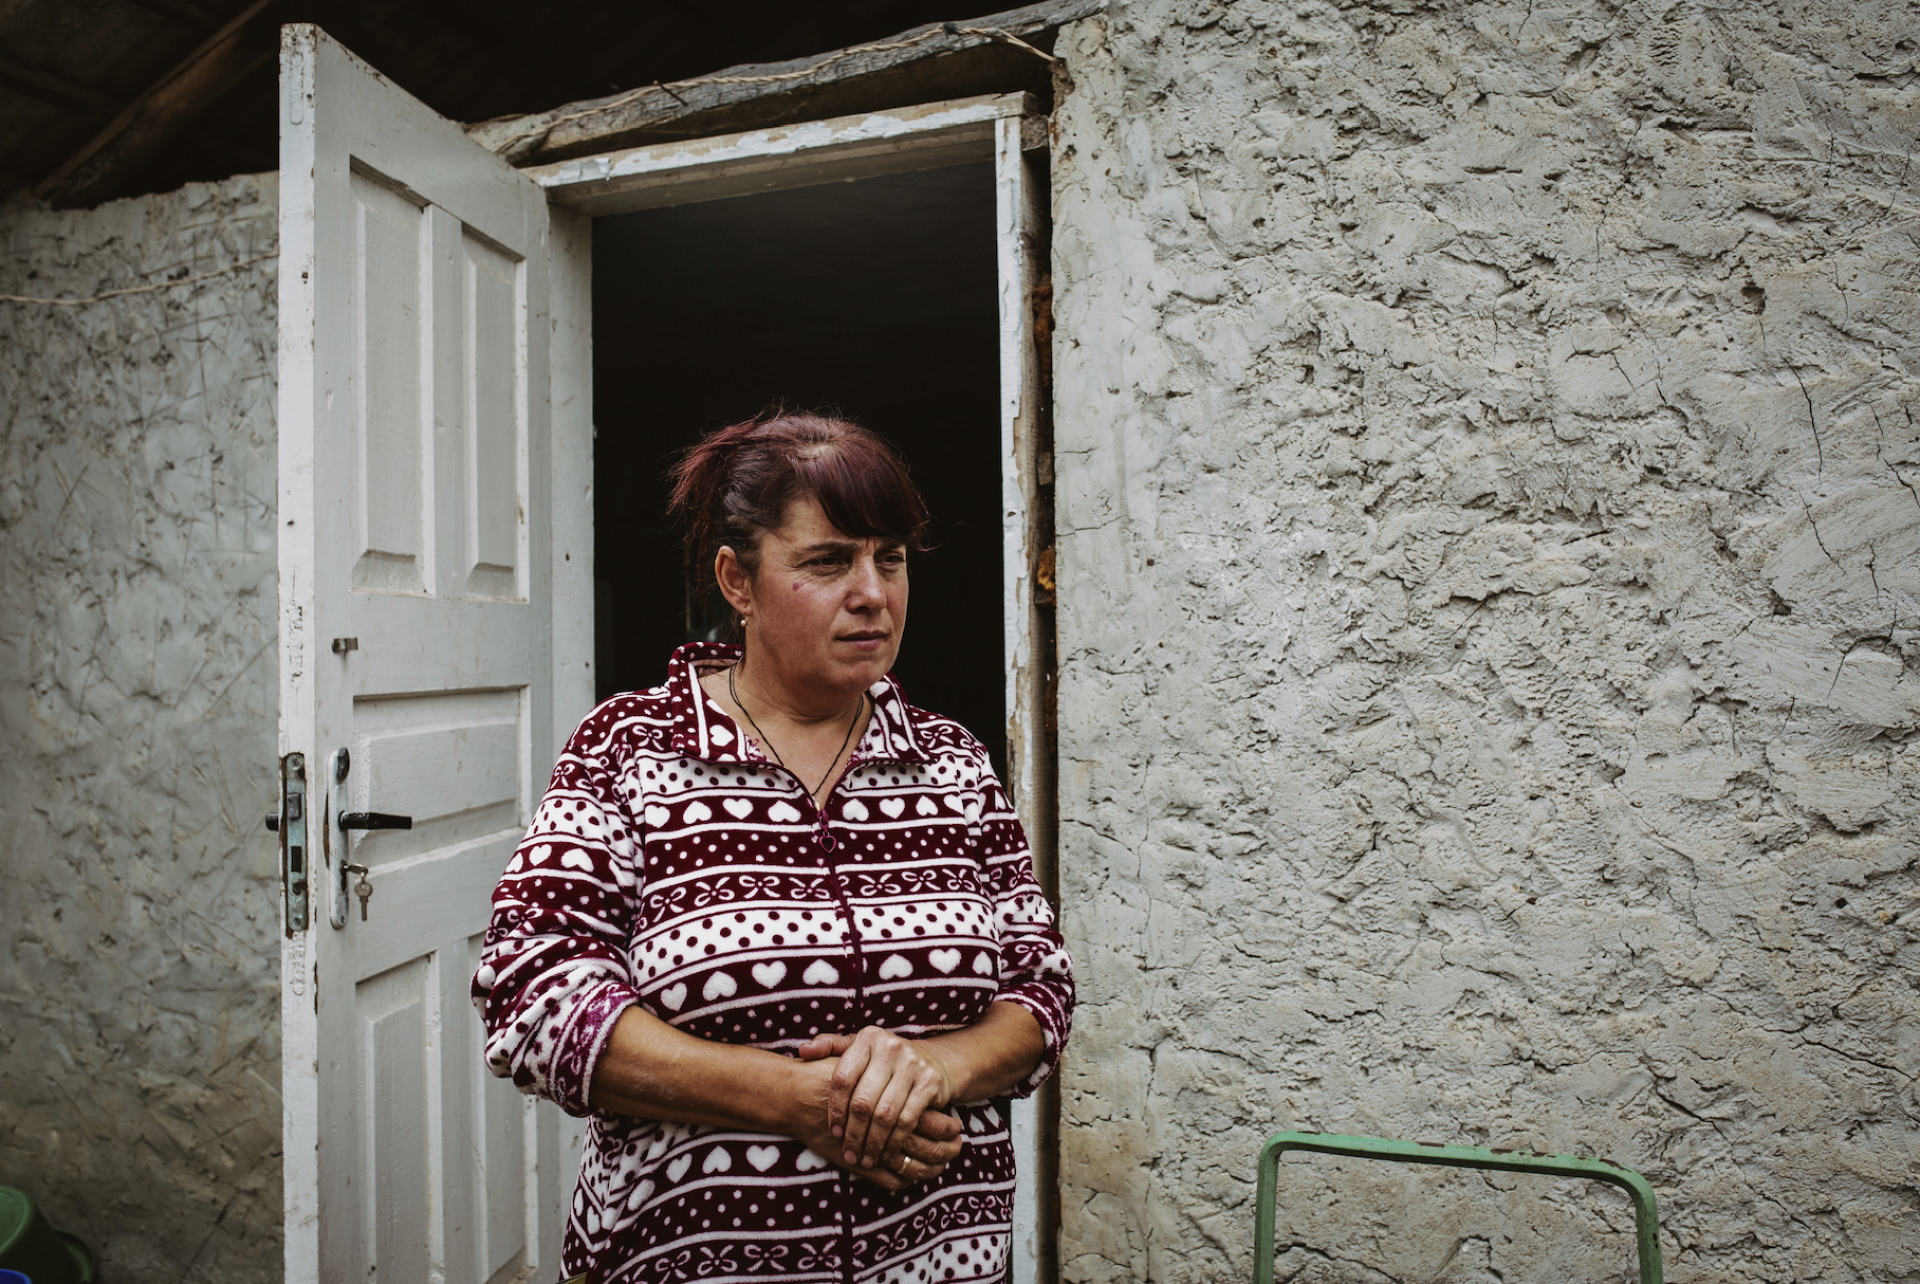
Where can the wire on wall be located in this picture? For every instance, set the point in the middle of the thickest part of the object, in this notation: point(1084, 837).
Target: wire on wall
point(148, 288)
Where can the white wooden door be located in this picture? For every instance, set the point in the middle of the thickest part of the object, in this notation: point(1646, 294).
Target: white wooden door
point(419, 536)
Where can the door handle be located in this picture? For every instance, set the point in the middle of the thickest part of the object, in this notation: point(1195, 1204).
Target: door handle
point(374, 820)
point(348, 820)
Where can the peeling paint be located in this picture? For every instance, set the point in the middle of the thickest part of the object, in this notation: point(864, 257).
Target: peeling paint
point(754, 144)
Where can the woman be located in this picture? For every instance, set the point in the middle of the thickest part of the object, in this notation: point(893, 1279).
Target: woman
point(776, 928)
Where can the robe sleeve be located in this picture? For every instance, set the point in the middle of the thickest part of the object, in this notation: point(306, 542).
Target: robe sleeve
point(1035, 970)
point(554, 972)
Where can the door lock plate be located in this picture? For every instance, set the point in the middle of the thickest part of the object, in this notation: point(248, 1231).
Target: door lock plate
point(296, 857)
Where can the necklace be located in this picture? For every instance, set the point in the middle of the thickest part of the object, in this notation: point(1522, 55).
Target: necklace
point(734, 692)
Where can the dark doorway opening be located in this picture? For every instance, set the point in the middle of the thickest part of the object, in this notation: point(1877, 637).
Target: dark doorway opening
point(875, 299)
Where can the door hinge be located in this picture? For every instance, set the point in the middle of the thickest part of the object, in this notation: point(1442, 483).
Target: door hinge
point(295, 854)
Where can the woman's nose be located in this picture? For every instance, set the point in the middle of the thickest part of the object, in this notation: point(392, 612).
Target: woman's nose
point(865, 590)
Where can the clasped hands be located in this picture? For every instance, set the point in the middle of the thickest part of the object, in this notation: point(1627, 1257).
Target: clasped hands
point(880, 1101)
point(871, 1103)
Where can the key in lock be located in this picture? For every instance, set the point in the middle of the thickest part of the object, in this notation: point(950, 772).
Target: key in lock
point(349, 821)
point(363, 887)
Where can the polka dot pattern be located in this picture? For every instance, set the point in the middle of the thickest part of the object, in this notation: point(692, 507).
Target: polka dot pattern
point(670, 865)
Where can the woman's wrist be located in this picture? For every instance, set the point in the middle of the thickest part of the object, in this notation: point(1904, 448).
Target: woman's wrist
point(991, 1058)
point(653, 1071)
point(796, 1104)
point(960, 1069)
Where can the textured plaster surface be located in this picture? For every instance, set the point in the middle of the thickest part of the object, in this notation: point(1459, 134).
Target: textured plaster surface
point(139, 1015)
point(1489, 565)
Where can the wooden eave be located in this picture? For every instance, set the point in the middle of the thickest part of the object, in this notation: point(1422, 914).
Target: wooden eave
point(926, 64)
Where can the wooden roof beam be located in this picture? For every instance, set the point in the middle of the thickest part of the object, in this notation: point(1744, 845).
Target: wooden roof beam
point(54, 89)
point(133, 138)
point(926, 64)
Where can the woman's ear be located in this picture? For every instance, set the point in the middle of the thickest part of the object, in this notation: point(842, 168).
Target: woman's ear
point(735, 584)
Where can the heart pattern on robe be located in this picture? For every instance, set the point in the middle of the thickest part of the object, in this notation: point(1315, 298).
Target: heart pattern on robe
point(701, 892)
point(769, 974)
point(574, 858)
point(820, 972)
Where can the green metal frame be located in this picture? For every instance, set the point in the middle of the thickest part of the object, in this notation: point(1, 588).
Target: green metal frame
point(1646, 1213)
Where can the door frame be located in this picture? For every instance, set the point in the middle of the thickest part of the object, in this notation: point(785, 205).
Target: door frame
point(1009, 131)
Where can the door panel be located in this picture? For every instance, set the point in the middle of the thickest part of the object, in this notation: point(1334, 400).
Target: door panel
point(388, 234)
point(410, 890)
point(393, 1011)
point(463, 645)
point(497, 469)
point(419, 654)
point(455, 758)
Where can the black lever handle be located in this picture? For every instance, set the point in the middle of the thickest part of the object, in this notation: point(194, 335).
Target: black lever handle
point(373, 820)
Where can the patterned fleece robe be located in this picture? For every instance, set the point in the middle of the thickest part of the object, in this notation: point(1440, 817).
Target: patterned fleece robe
point(672, 866)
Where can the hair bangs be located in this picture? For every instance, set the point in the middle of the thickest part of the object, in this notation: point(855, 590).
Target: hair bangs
point(864, 489)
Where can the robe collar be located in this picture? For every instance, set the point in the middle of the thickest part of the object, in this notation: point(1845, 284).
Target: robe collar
point(701, 730)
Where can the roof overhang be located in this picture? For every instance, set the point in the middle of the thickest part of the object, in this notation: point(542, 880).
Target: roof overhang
point(940, 62)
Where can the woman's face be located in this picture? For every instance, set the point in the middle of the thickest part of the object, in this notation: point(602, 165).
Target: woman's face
point(825, 612)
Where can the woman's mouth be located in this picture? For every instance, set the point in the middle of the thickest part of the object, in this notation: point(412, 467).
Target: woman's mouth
point(866, 640)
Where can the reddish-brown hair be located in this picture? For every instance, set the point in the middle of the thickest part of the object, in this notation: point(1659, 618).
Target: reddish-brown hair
point(734, 485)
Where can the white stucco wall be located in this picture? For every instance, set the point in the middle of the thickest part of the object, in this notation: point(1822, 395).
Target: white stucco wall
point(139, 1016)
point(1489, 579)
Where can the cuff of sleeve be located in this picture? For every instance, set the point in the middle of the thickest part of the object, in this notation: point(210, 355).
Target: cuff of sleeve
point(1053, 1019)
point(580, 1044)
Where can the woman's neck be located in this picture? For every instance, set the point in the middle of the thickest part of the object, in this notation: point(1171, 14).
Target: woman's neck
point(758, 689)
